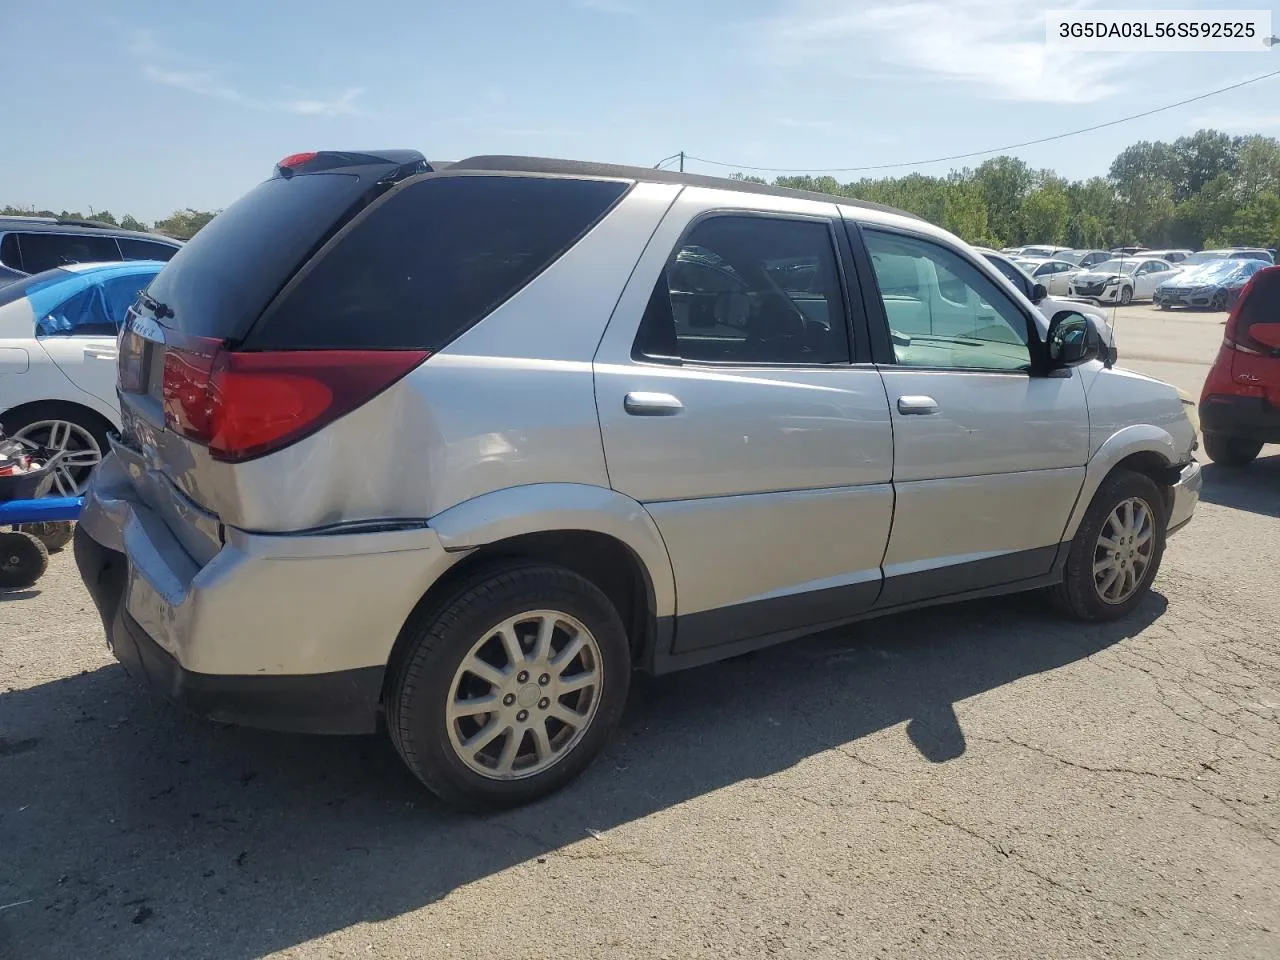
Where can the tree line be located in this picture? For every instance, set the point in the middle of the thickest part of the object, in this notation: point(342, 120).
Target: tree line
point(1201, 191)
point(181, 224)
point(1204, 190)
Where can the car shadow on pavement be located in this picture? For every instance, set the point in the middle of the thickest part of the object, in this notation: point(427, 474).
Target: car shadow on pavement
point(134, 831)
point(1255, 488)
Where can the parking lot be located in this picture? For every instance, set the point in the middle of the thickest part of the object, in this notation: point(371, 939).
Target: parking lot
point(985, 781)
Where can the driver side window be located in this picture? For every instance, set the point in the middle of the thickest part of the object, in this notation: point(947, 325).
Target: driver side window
point(942, 311)
point(749, 290)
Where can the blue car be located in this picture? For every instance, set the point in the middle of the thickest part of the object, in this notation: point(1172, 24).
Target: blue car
point(58, 359)
point(1215, 285)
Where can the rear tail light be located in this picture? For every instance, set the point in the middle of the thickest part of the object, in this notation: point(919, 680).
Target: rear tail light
point(246, 405)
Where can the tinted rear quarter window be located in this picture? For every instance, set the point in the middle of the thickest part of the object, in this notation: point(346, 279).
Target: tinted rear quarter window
point(44, 251)
point(145, 249)
point(431, 259)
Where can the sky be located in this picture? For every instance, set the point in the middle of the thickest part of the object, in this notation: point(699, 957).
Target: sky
point(144, 106)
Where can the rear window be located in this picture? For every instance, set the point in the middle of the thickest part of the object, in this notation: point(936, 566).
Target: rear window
point(27, 286)
point(145, 249)
point(433, 258)
point(221, 279)
point(44, 251)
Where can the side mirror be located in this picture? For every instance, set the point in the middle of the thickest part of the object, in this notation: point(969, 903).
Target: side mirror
point(1038, 292)
point(1072, 340)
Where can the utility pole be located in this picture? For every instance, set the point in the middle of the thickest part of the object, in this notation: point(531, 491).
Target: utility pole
point(682, 161)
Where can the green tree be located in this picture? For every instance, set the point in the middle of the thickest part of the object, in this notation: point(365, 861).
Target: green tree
point(1046, 212)
point(1005, 183)
point(184, 224)
point(128, 222)
point(1258, 170)
point(1199, 158)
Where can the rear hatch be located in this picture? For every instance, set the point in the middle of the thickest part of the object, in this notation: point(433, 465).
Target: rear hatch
point(207, 300)
point(310, 296)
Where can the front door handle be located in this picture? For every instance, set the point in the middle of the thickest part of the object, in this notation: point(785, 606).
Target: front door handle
point(917, 406)
point(641, 404)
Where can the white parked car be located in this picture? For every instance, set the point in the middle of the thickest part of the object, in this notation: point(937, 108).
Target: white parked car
point(58, 359)
point(1038, 252)
point(1122, 280)
point(1056, 275)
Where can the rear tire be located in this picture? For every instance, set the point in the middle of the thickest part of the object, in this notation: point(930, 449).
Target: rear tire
point(1102, 547)
point(460, 651)
point(1231, 451)
point(23, 560)
point(54, 534)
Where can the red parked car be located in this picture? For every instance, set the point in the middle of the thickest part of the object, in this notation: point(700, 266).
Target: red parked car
point(1240, 404)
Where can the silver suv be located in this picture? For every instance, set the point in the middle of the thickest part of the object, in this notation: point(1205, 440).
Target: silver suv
point(462, 447)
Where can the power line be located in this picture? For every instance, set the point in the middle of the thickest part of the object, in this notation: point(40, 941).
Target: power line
point(983, 153)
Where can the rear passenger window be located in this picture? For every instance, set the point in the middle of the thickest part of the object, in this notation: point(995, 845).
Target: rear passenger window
point(145, 249)
point(82, 315)
point(749, 290)
point(43, 251)
point(436, 257)
point(9, 253)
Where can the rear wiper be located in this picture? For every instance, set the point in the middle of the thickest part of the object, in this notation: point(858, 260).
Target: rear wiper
point(155, 306)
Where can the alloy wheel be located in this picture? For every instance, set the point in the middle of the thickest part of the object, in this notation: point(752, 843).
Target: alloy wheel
point(1123, 550)
point(80, 452)
point(524, 695)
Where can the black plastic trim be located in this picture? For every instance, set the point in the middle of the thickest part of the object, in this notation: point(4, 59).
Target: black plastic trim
point(711, 628)
point(964, 577)
point(1245, 418)
point(665, 660)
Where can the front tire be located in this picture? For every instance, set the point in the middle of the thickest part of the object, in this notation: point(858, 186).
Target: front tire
point(1231, 451)
point(1116, 551)
point(1126, 296)
point(510, 687)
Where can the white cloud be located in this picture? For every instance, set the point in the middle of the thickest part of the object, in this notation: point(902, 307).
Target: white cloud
point(163, 66)
point(997, 46)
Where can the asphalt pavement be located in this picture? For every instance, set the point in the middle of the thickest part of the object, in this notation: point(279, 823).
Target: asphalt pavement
point(986, 780)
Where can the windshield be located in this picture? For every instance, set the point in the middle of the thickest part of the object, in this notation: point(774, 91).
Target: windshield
point(1115, 266)
point(1203, 257)
point(1072, 256)
point(1214, 271)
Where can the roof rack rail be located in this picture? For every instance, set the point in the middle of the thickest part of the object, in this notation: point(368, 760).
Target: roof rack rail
point(78, 222)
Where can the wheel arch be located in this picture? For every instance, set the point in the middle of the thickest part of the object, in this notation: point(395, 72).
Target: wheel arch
point(1142, 448)
point(597, 533)
point(68, 408)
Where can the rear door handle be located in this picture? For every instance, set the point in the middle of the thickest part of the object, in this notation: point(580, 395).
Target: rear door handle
point(101, 353)
point(641, 404)
point(917, 406)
